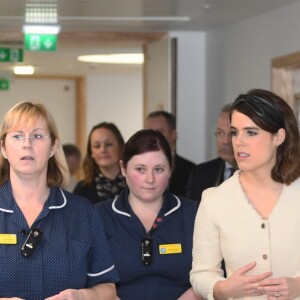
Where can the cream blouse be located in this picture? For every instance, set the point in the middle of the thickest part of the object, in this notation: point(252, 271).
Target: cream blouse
point(227, 226)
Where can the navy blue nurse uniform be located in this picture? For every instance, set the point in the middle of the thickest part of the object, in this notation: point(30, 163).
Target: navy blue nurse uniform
point(167, 277)
point(70, 254)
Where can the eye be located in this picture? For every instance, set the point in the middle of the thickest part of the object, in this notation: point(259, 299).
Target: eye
point(159, 170)
point(38, 136)
point(18, 136)
point(251, 133)
point(140, 169)
point(233, 132)
point(219, 133)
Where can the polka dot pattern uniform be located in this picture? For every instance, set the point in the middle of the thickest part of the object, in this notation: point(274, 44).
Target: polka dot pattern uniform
point(73, 252)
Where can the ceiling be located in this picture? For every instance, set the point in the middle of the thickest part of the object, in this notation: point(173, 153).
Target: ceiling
point(93, 26)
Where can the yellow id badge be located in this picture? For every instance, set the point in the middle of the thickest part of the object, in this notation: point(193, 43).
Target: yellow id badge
point(170, 249)
point(8, 239)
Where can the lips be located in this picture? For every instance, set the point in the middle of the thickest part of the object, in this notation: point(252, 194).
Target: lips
point(27, 158)
point(242, 154)
point(104, 157)
point(149, 188)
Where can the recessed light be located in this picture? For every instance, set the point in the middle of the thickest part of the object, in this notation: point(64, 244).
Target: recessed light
point(121, 58)
point(41, 29)
point(23, 70)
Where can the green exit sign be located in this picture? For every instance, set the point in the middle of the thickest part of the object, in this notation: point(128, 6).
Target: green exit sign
point(40, 42)
point(4, 84)
point(11, 54)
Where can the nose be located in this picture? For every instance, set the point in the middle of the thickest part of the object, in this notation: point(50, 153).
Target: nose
point(27, 141)
point(238, 140)
point(149, 177)
point(227, 138)
point(102, 148)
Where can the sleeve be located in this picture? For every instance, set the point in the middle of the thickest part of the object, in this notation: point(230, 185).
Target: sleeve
point(101, 265)
point(207, 256)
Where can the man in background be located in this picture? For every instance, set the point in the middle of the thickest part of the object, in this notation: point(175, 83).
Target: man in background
point(165, 123)
point(214, 172)
point(73, 158)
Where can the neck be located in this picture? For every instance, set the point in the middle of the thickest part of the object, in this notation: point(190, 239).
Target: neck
point(258, 178)
point(29, 189)
point(110, 172)
point(145, 211)
point(143, 206)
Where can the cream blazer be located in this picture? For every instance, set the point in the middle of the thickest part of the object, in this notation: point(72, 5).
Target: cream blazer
point(227, 226)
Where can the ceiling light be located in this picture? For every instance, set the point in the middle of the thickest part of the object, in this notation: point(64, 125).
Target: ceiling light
point(42, 12)
point(122, 58)
point(127, 19)
point(41, 29)
point(23, 70)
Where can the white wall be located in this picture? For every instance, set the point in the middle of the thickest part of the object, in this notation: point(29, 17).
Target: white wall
point(57, 95)
point(157, 76)
point(116, 97)
point(238, 58)
point(191, 111)
point(249, 47)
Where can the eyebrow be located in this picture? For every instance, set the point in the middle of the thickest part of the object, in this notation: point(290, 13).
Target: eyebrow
point(22, 131)
point(143, 165)
point(248, 127)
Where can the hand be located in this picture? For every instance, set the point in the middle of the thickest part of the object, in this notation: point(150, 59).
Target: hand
point(280, 288)
point(240, 285)
point(190, 295)
point(69, 294)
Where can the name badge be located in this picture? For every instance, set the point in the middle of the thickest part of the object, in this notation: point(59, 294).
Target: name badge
point(8, 239)
point(170, 249)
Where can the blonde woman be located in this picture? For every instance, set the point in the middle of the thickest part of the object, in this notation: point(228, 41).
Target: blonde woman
point(51, 246)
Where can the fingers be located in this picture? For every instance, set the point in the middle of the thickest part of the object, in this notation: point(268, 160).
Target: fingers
point(243, 270)
point(262, 277)
point(254, 278)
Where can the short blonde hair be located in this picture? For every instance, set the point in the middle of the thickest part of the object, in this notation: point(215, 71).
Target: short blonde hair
point(27, 112)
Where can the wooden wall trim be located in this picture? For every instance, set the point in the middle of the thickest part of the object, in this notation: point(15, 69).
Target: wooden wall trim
point(81, 114)
point(145, 86)
point(17, 37)
point(286, 61)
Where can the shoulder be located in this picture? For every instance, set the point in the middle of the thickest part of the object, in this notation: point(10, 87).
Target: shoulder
point(294, 185)
point(81, 185)
point(75, 200)
point(293, 188)
point(188, 210)
point(226, 191)
point(179, 160)
point(189, 204)
point(115, 207)
point(103, 207)
point(76, 211)
point(214, 163)
point(183, 204)
point(86, 190)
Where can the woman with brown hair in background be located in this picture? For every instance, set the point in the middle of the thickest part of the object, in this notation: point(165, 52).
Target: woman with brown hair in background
point(102, 175)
